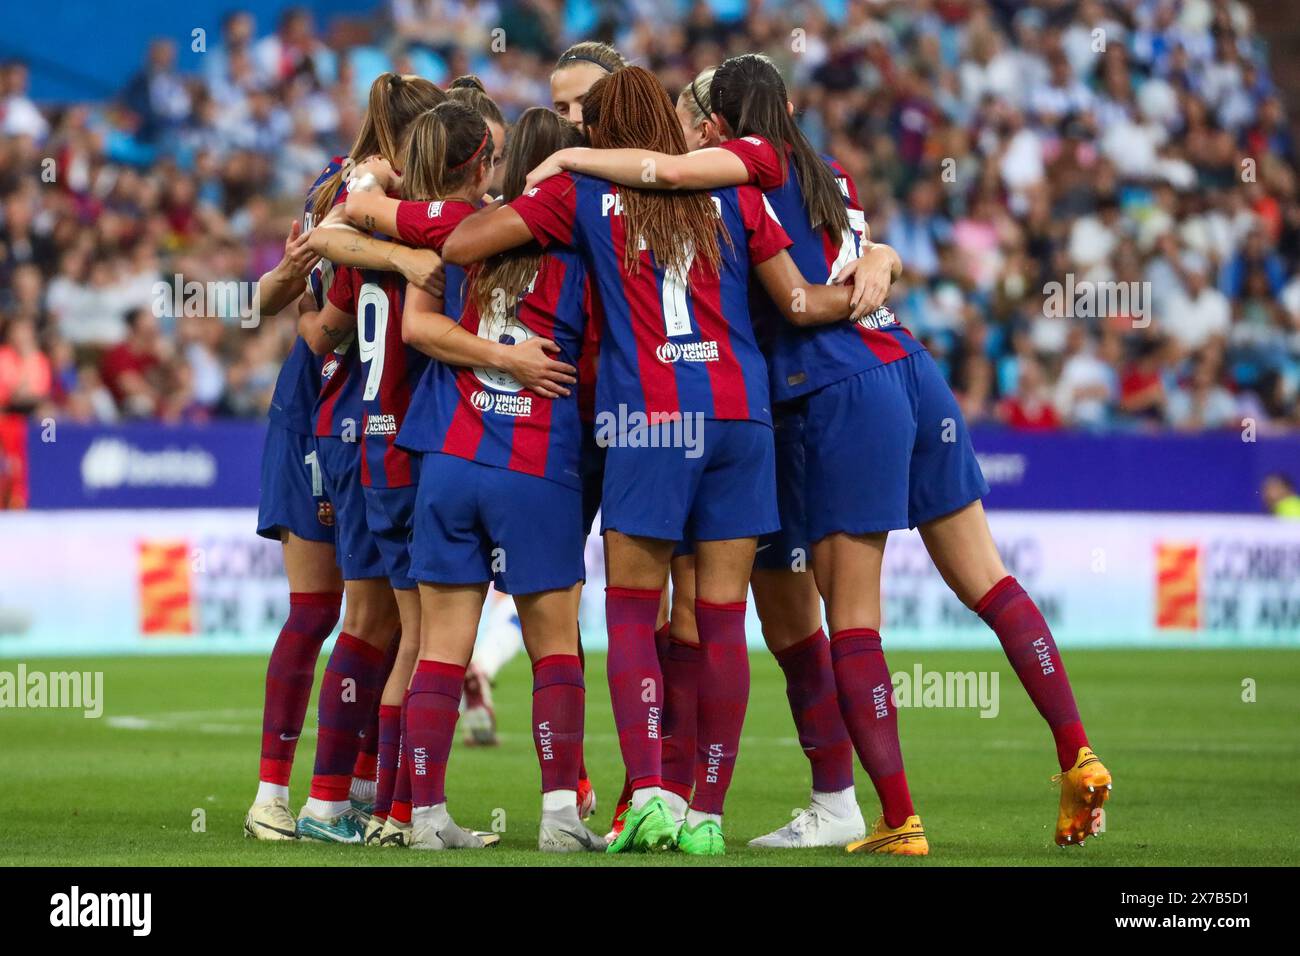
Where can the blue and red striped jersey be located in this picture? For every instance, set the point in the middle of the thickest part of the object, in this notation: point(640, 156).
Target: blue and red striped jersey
point(486, 415)
point(427, 225)
point(387, 371)
point(337, 407)
point(298, 384)
point(804, 359)
point(670, 343)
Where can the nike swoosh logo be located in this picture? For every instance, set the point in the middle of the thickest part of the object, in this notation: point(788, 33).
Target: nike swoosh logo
point(582, 838)
point(762, 547)
point(332, 837)
point(267, 826)
point(288, 737)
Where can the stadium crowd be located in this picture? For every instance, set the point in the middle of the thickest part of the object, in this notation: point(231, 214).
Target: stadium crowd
point(1131, 145)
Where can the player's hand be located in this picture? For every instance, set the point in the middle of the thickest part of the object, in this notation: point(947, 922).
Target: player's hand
point(531, 363)
point(550, 166)
point(871, 276)
point(422, 268)
point(381, 169)
point(298, 257)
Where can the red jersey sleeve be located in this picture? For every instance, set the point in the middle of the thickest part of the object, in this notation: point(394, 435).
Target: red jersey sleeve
point(342, 291)
point(766, 170)
point(550, 209)
point(766, 237)
point(428, 224)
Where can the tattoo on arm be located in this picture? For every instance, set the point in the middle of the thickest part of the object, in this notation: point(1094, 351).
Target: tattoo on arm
point(370, 223)
point(333, 334)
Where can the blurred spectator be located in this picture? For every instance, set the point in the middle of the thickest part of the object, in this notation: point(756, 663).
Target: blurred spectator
point(1000, 147)
point(132, 369)
point(1280, 498)
point(25, 376)
point(1031, 408)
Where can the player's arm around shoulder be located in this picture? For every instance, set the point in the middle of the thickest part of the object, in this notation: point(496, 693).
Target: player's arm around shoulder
point(486, 232)
point(803, 303)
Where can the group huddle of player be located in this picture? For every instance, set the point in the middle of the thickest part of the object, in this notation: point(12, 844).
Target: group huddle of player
point(476, 378)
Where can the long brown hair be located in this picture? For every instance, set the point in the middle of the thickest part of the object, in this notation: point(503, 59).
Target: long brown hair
point(747, 91)
point(631, 109)
point(446, 148)
point(395, 100)
point(538, 133)
point(469, 89)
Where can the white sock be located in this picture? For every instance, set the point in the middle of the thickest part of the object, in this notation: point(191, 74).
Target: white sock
point(362, 790)
point(643, 796)
point(560, 801)
point(266, 792)
point(694, 818)
point(435, 815)
point(839, 803)
point(327, 809)
point(676, 804)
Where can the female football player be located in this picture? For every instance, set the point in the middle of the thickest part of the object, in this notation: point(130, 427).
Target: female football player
point(499, 644)
point(294, 506)
point(500, 501)
point(683, 405)
point(872, 390)
point(469, 89)
point(576, 71)
point(786, 598)
point(372, 305)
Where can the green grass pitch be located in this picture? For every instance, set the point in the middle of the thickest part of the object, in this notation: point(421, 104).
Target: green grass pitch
point(1201, 777)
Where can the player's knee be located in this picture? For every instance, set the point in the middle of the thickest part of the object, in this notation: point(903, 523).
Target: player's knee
point(371, 618)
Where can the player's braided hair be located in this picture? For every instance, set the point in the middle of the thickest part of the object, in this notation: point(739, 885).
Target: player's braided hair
point(447, 148)
point(747, 91)
point(395, 101)
point(538, 133)
point(631, 109)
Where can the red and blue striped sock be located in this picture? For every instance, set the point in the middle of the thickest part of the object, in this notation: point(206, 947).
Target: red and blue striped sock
point(390, 740)
point(559, 702)
point(353, 679)
point(635, 681)
point(810, 688)
point(865, 693)
point(367, 763)
point(681, 663)
point(1028, 644)
point(431, 713)
point(724, 679)
point(400, 808)
point(289, 676)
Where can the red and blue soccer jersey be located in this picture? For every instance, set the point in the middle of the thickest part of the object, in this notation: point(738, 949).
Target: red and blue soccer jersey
point(427, 225)
point(338, 407)
point(487, 416)
point(803, 360)
point(671, 344)
point(336, 410)
point(299, 382)
point(387, 372)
